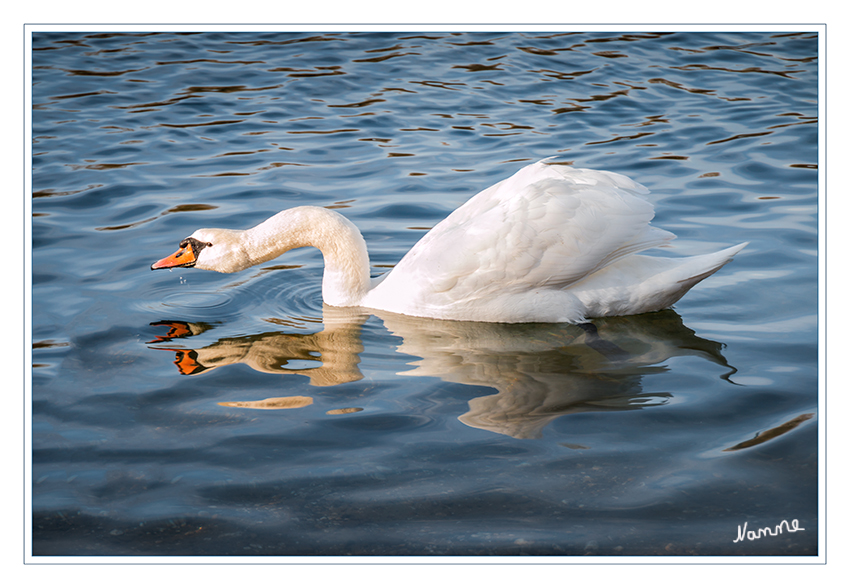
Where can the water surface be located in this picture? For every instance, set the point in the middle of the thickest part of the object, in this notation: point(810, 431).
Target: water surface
point(192, 413)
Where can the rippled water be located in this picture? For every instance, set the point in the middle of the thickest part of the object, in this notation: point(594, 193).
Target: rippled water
point(192, 413)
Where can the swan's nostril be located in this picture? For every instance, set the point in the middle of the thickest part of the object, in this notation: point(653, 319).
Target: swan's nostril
point(183, 257)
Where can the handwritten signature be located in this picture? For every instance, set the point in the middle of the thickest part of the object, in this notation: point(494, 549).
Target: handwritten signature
point(767, 531)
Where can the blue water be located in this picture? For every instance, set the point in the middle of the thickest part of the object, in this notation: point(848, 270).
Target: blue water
point(387, 435)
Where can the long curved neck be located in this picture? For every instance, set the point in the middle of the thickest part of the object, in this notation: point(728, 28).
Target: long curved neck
point(346, 277)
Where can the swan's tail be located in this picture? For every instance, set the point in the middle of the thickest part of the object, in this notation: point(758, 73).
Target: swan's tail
point(697, 268)
point(702, 266)
point(638, 283)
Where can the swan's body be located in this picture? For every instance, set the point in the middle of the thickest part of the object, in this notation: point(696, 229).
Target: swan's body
point(549, 244)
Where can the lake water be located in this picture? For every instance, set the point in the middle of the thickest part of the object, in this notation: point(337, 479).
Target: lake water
point(194, 414)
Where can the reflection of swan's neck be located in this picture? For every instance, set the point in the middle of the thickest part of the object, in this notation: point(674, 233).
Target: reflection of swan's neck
point(346, 278)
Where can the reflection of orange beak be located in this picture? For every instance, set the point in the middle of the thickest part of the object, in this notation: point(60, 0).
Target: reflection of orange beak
point(183, 257)
point(176, 329)
point(185, 362)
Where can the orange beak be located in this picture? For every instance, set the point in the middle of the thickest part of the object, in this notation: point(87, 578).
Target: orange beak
point(183, 257)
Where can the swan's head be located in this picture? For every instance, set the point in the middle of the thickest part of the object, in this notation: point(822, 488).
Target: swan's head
point(218, 250)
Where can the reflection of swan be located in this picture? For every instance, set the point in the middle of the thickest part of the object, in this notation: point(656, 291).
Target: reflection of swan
point(335, 349)
point(544, 372)
point(550, 244)
point(540, 372)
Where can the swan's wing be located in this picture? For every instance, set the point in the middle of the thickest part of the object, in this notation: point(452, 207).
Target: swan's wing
point(547, 226)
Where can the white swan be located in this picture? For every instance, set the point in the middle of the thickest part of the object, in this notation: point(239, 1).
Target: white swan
point(549, 244)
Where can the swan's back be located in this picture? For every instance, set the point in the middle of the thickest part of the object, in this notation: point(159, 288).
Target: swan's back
point(537, 233)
